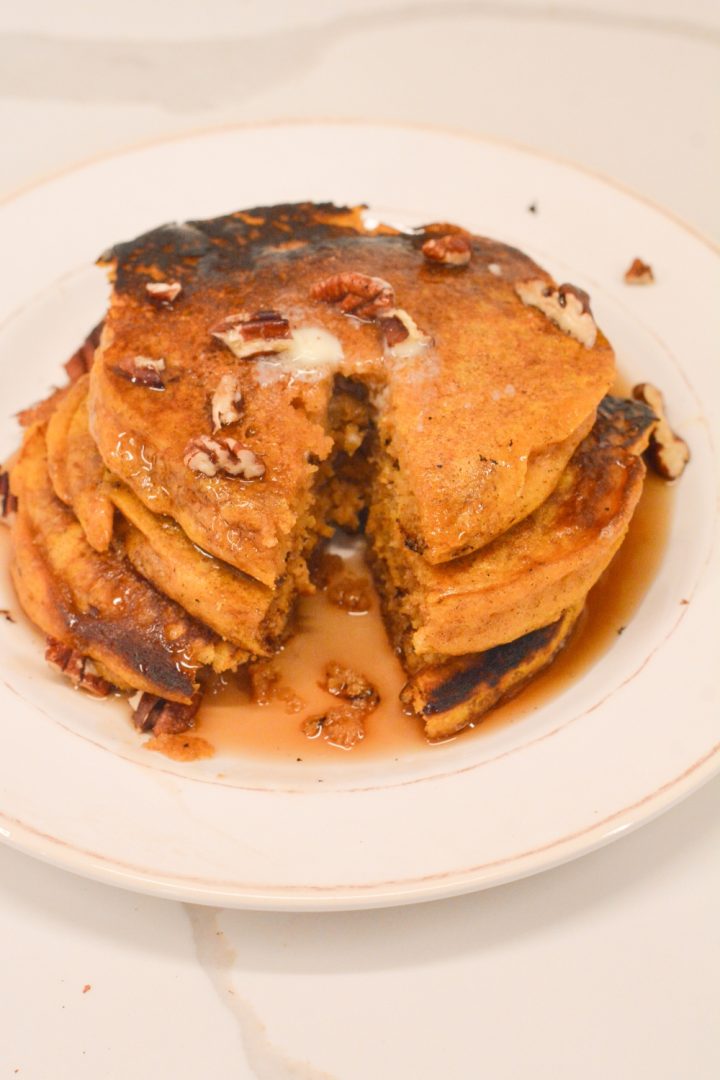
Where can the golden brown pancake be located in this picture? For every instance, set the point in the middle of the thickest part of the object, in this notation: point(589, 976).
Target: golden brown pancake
point(481, 421)
point(95, 603)
point(264, 377)
point(527, 578)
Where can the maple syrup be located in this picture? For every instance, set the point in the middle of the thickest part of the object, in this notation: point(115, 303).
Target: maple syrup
point(234, 724)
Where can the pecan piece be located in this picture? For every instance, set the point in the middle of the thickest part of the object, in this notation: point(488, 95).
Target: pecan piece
point(151, 713)
point(667, 453)
point(639, 273)
point(567, 306)
point(8, 501)
point(227, 401)
point(345, 682)
point(142, 371)
point(210, 456)
point(257, 334)
point(402, 335)
point(79, 669)
point(356, 294)
point(450, 250)
point(81, 360)
point(163, 291)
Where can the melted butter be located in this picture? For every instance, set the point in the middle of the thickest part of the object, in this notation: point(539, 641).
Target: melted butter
point(234, 725)
point(313, 354)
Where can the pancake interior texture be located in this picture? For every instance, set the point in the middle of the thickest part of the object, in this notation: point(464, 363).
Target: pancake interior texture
point(265, 377)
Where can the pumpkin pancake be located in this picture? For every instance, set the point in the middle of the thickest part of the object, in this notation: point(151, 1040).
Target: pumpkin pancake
point(266, 376)
point(481, 404)
point(527, 578)
point(95, 603)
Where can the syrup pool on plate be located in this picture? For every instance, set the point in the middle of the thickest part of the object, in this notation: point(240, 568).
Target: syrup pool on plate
point(326, 633)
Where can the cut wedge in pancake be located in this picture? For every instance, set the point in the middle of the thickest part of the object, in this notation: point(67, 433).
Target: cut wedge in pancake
point(527, 578)
point(95, 603)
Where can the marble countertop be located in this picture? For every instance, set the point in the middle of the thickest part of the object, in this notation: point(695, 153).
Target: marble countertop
point(606, 967)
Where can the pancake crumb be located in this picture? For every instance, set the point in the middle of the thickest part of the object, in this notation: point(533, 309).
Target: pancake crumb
point(181, 747)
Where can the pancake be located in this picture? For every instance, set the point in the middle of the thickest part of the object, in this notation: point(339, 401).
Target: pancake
point(527, 578)
point(451, 695)
point(95, 603)
point(76, 468)
point(236, 607)
point(265, 377)
point(481, 414)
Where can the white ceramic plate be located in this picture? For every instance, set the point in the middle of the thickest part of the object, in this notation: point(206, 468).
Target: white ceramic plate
point(640, 731)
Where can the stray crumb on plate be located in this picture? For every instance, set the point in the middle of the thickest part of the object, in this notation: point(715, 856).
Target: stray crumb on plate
point(181, 747)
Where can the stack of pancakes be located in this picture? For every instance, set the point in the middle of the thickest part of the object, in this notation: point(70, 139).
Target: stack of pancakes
point(265, 377)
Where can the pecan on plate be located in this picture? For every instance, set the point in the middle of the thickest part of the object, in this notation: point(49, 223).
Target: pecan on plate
point(639, 273)
point(667, 453)
point(79, 669)
point(209, 456)
point(356, 294)
point(151, 713)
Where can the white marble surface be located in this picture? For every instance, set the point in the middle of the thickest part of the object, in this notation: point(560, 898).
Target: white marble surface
point(607, 967)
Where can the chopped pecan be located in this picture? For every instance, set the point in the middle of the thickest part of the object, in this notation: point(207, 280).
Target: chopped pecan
point(210, 456)
point(79, 669)
point(442, 228)
point(667, 453)
point(163, 291)
point(345, 682)
point(639, 273)
point(81, 360)
point(401, 333)
point(8, 501)
point(450, 250)
point(151, 713)
point(356, 294)
point(227, 401)
point(257, 334)
point(567, 306)
point(343, 726)
point(142, 371)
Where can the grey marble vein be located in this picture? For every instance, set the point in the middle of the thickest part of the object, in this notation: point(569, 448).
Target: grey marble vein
point(217, 959)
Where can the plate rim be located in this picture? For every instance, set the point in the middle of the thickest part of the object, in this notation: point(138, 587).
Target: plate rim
point(200, 131)
point(409, 889)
